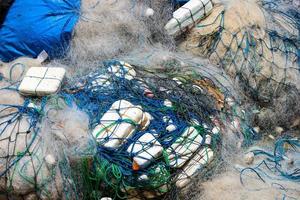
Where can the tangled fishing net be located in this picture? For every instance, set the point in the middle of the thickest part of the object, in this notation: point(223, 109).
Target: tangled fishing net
point(257, 44)
point(157, 126)
point(148, 134)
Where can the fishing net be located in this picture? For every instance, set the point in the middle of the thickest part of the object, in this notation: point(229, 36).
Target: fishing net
point(149, 129)
point(257, 44)
point(146, 134)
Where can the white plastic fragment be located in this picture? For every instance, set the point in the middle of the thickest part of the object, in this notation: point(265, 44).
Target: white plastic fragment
point(41, 81)
point(188, 15)
point(207, 139)
point(111, 133)
point(235, 124)
point(42, 56)
point(215, 130)
point(106, 198)
point(271, 136)
point(168, 103)
point(166, 119)
point(230, 101)
point(200, 160)
point(177, 81)
point(145, 149)
point(143, 177)
point(196, 122)
point(184, 147)
point(34, 106)
point(171, 128)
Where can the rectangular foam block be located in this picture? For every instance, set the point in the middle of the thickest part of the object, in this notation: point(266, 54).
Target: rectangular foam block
point(188, 15)
point(42, 81)
point(145, 149)
point(184, 147)
point(111, 133)
point(200, 160)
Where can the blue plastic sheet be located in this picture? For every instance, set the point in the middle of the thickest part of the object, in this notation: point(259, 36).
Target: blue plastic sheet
point(32, 26)
point(180, 2)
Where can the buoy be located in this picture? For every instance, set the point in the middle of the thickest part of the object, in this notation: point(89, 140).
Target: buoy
point(42, 81)
point(184, 147)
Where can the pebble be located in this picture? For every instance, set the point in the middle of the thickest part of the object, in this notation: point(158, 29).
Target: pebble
point(256, 129)
point(171, 128)
point(249, 158)
point(50, 160)
point(149, 12)
point(278, 130)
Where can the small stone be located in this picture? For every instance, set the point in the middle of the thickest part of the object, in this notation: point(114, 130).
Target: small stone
point(256, 129)
point(296, 123)
point(278, 130)
point(149, 12)
point(271, 137)
point(106, 198)
point(50, 160)
point(171, 128)
point(249, 158)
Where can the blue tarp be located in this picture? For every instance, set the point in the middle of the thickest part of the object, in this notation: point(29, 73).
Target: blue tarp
point(180, 2)
point(35, 25)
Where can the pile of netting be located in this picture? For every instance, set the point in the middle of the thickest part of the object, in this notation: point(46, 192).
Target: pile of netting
point(120, 131)
point(257, 44)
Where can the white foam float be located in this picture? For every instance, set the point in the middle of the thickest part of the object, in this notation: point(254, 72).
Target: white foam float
point(183, 148)
point(200, 160)
point(145, 150)
point(42, 81)
point(188, 15)
point(111, 133)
